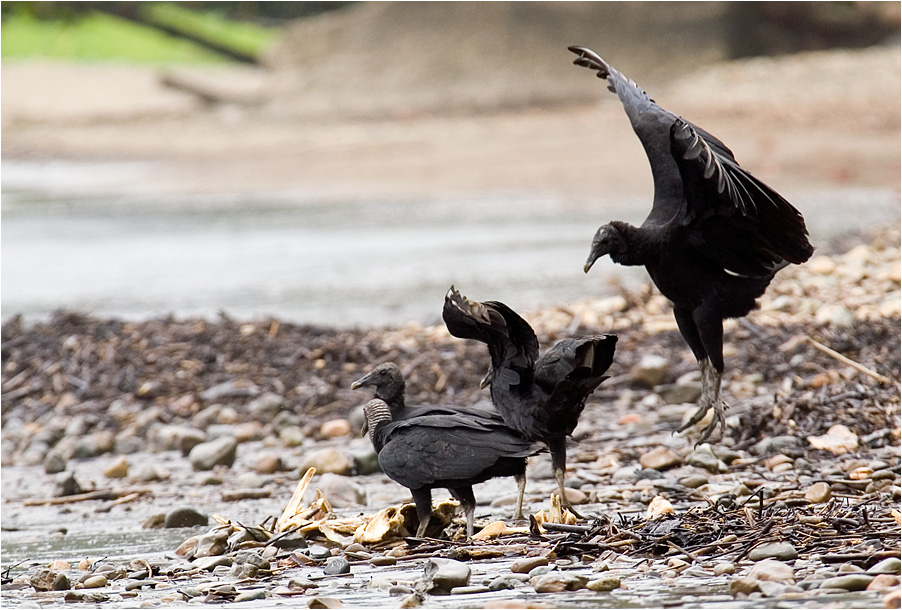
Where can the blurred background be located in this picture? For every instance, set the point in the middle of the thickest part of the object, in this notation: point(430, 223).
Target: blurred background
point(343, 163)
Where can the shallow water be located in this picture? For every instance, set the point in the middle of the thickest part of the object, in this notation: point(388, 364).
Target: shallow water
point(93, 237)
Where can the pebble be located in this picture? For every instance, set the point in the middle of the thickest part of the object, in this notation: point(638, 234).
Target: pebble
point(693, 481)
point(651, 370)
point(118, 469)
point(324, 602)
point(335, 428)
point(890, 565)
point(210, 562)
point(337, 565)
point(441, 575)
point(246, 596)
point(770, 588)
point(526, 564)
point(835, 315)
point(605, 583)
point(557, 582)
point(250, 480)
point(185, 517)
point(503, 582)
point(575, 496)
point(679, 393)
point(745, 585)
point(893, 599)
point(660, 458)
point(818, 493)
point(269, 463)
point(784, 551)
point(149, 472)
point(212, 543)
point(849, 582)
point(292, 436)
point(647, 474)
point(95, 582)
point(221, 451)
point(266, 406)
point(383, 560)
point(724, 567)
point(326, 460)
point(704, 457)
point(366, 460)
point(771, 569)
point(54, 462)
point(341, 491)
point(66, 485)
point(91, 597)
point(301, 584)
point(883, 581)
point(469, 589)
point(45, 579)
point(777, 444)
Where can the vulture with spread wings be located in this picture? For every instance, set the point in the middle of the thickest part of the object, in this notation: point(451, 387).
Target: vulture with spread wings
point(715, 237)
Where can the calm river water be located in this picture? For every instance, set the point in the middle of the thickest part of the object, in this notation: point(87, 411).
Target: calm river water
point(340, 263)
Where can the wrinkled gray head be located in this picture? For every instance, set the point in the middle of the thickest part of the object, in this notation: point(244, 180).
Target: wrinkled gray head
point(375, 412)
point(386, 378)
point(607, 241)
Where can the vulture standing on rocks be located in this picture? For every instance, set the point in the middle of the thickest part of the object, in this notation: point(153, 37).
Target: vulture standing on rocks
point(714, 239)
point(450, 451)
point(541, 398)
point(388, 383)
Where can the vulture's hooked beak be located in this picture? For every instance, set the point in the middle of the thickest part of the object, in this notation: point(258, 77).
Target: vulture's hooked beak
point(471, 309)
point(590, 262)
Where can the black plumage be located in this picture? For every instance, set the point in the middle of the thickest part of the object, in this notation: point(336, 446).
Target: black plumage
point(388, 385)
point(715, 237)
point(540, 397)
point(450, 451)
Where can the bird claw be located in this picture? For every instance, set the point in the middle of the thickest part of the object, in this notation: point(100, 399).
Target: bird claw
point(719, 419)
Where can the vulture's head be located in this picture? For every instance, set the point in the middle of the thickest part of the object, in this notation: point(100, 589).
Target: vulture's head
point(386, 378)
point(607, 241)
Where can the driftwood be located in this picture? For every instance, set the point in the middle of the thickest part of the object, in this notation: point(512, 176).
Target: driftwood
point(99, 494)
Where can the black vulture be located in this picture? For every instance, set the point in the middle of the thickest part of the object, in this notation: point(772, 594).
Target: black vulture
point(450, 451)
point(388, 383)
point(714, 239)
point(540, 397)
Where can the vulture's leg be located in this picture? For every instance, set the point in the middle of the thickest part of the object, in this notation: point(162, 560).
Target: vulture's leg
point(702, 329)
point(467, 500)
point(521, 489)
point(557, 446)
point(422, 498)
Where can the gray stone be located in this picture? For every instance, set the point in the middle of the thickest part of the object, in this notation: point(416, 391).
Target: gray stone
point(693, 481)
point(341, 491)
point(246, 596)
point(221, 451)
point(337, 565)
point(651, 370)
point(212, 543)
point(783, 551)
point(526, 564)
point(292, 436)
point(704, 457)
point(679, 393)
point(209, 562)
point(66, 485)
point(54, 462)
point(777, 444)
point(469, 589)
point(366, 460)
point(503, 582)
point(540, 571)
point(327, 459)
point(441, 575)
point(556, 582)
point(250, 480)
point(770, 588)
point(890, 565)
point(44, 579)
point(849, 582)
point(647, 474)
point(150, 472)
point(252, 558)
point(128, 443)
point(265, 407)
point(301, 584)
point(235, 388)
point(185, 517)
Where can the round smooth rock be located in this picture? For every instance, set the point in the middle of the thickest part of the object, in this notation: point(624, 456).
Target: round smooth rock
point(526, 564)
point(556, 582)
point(724, 567)
point(771, 569)
point(818, 493)
point(784, 551)
point(95, 582)
point(849, 582)
point(221, 451)
point(441, 574)
point(337, 565)
point(605, 583)
point(185, 517)
point(890, 565)
point(660, 458)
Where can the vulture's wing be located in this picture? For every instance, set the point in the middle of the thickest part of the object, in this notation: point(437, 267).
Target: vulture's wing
point(739, 221)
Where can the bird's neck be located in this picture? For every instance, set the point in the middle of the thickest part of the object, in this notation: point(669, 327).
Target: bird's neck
point(641, 246)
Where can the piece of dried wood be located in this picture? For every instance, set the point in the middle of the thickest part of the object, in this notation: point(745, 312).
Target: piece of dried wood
point(855, 365)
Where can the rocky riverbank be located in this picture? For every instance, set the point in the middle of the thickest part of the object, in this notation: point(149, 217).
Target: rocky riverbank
point(111, 426)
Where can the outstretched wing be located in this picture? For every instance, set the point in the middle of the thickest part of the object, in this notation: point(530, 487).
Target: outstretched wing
point(652, 126)
point(739, 221)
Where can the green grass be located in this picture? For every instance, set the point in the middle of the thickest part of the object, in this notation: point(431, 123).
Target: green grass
point(242, 36)
point(98, 36)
